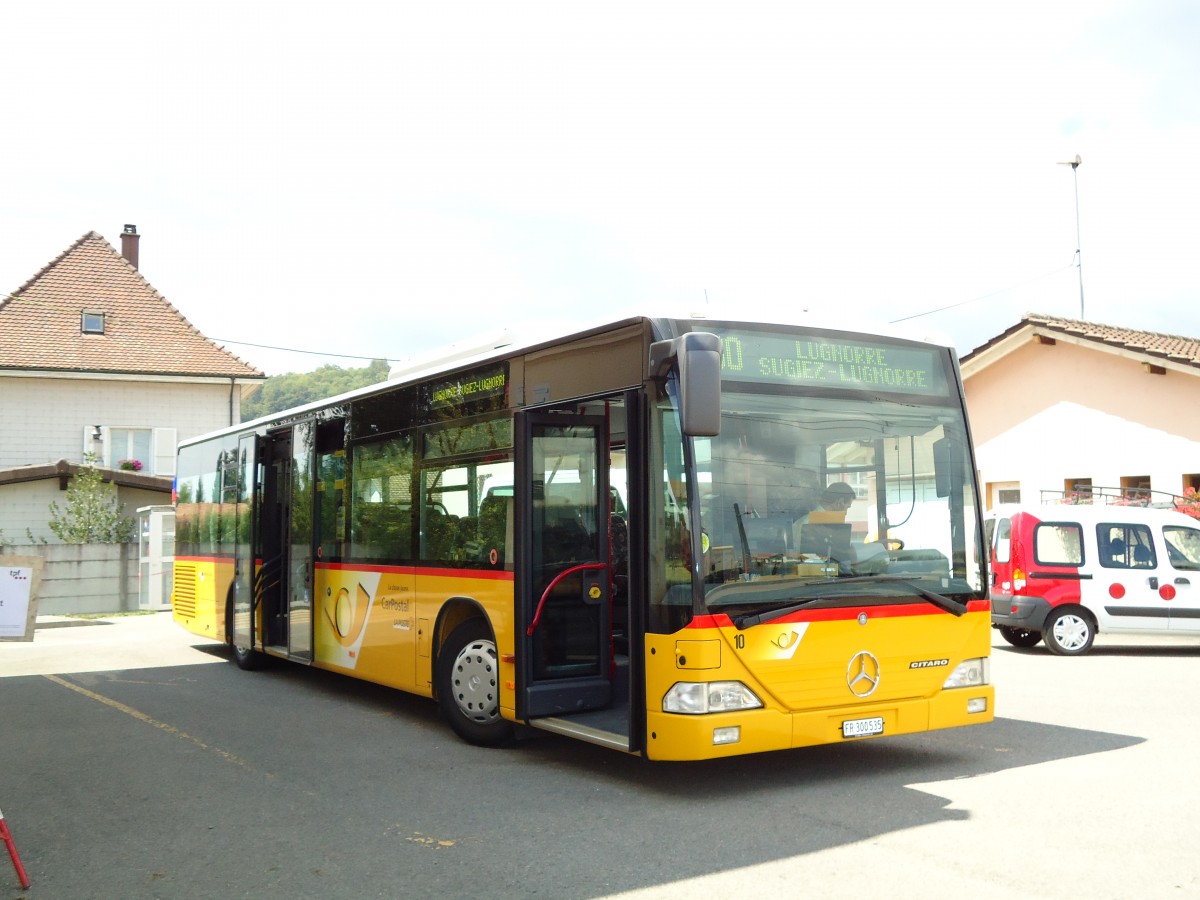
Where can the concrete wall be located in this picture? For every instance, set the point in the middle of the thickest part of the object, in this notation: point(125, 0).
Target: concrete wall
point(84, 578)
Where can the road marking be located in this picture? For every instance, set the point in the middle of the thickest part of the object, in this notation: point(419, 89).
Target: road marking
point(149, 720)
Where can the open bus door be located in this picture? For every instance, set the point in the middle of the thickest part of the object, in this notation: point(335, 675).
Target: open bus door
point(244, 613)
point(562, 578)
point(274, 555)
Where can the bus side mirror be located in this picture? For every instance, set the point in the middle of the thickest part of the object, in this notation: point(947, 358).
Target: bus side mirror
point(697, 357)
point(947, 474)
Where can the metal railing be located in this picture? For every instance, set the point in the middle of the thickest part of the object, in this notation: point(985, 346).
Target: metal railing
point(1116, 496)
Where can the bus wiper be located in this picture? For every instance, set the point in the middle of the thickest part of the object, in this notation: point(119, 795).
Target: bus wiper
point(939, 600)
point(747, 620)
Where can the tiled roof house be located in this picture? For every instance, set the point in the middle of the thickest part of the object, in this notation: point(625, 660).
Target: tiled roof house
point(1066, 405)
point(93, 360)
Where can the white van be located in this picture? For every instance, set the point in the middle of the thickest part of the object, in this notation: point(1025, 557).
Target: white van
point(1064, 573)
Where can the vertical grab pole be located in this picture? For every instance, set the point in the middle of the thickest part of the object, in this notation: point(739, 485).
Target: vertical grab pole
point(12, 852)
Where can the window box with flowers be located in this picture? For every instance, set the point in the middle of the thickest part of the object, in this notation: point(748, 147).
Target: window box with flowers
point(130, 465)
point(1189, 503)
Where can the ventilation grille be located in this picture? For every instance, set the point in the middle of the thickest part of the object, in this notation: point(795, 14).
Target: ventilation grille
point(185, 591)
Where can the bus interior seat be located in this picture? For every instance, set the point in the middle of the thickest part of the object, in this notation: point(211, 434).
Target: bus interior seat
point(564, 537)
point(493, 526)
point(440, 533)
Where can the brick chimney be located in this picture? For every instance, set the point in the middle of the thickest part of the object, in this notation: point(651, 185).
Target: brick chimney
point(129, 244)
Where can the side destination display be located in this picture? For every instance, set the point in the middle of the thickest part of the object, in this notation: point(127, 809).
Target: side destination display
point(816, 361)
point(469, 388)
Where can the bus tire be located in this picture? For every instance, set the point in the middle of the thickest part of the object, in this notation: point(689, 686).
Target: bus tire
point(1020, 637)
point(1069, 632)
point(247, 658)
point(468, 685)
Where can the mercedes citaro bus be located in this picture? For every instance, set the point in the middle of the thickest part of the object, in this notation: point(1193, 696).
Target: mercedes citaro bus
point(617, 535)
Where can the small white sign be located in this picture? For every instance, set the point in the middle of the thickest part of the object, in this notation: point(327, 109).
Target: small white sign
point(18, 579)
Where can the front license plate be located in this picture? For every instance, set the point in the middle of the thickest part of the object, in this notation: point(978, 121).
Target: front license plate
point(862, 727)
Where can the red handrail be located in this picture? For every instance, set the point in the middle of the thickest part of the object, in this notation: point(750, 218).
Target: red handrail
point(582, 567)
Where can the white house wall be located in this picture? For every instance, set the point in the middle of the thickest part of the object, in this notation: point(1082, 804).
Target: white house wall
point(50, 414)
point(25, 508)
point(1048, 413)
point(1071, 441)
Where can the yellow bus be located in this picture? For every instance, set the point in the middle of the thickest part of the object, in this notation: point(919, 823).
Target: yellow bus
point(679, 538)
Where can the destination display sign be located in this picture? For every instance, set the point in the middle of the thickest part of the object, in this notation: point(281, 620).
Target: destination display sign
point(467, 388)
point(800, 360)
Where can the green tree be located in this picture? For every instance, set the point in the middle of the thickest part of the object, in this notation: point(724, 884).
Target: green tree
point(280, 392)
point(93, 514)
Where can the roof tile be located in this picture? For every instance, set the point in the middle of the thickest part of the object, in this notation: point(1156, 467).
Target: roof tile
point(41, 327)
point(1175, 347)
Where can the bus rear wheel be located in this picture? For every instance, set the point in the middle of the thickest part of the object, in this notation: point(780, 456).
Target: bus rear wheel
point(1020, 637)
point(1069, 633)
point(247, 658)
point(468, 685)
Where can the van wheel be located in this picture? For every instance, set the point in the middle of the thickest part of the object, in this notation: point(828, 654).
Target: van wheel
point(468, 685)
point(1069, 633)
point(1020, 637)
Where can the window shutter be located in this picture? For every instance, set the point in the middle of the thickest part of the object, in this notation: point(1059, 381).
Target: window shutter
point(164, 451)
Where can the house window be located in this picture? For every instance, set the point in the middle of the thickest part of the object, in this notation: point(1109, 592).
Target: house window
point(1136, 489)
point(1077, 490)
point(131, 448)
point(92, 322)
point(1004, 492)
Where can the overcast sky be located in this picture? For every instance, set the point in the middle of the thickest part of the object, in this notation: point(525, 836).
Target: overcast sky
point(376, 179)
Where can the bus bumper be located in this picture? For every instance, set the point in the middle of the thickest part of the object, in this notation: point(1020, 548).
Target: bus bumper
point(670, 736)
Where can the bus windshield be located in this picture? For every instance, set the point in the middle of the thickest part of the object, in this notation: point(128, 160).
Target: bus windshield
point(836, 497)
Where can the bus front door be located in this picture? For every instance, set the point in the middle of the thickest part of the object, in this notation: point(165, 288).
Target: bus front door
point(563, 575)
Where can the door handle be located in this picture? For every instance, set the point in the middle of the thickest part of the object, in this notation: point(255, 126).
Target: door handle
point(1153, 583)
point(1182, 580)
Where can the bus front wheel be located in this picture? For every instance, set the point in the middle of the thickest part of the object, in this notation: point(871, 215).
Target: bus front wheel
point(468, 685)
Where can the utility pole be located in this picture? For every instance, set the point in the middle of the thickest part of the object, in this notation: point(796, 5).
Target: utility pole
point(1074, 164)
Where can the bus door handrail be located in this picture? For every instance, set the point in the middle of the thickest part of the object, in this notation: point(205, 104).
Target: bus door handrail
point(554, 582)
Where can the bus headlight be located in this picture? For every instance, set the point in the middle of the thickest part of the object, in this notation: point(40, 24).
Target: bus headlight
point(695, 698)
point(970, 673)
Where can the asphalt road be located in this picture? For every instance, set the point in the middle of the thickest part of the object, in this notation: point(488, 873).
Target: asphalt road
point(137, 761)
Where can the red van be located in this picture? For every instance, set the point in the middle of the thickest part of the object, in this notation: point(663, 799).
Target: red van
point(1064, 573)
